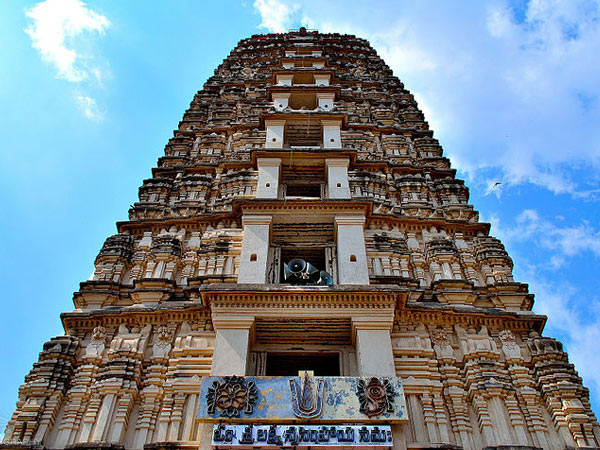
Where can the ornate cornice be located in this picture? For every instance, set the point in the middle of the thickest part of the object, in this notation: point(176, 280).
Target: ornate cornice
point(442, 314)
point(252, 205)
point(136, 314)
point(269, 300)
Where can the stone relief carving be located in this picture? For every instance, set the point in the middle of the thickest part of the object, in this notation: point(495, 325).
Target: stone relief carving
point(130, 340)
point(441, 343)
point(376, 396)
point(232, 397)
point(472, 341)
point(509, 345)
point(97, 345)
point(162, 345)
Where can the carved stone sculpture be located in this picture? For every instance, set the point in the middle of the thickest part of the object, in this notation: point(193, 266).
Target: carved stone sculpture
point(162, 346)
point(441, 343)
point(97, 344)
point(509, 345)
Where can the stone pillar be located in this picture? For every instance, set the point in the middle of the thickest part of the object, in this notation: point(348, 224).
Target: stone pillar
point(352, 256)
point(337, 178)
point(275, 130)
point(375, 357)
point(281, 100)
point(255, 249)
point(231, 344)
point(322, 79)
point(268, 177)
point(325, 100)
point(285, 79)
point(374, 345)
point(331, 134)
point(103, 417)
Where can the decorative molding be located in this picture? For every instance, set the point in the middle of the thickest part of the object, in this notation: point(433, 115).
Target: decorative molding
point(350, 220)
point(373, 321)
point(337, 162)
point(470, 317)
point(249, 219)
point(302, 299)
point(232, 321)
point(268, 162)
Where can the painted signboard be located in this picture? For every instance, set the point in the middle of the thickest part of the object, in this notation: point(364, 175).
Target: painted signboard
point(295, 399)
point(301, 436)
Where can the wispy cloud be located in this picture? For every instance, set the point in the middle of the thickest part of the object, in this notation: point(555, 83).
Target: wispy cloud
point(506, 88)
point(90, 108)
point(55, 26)
point(565, 242)
point(275, 15)
point(56, 30)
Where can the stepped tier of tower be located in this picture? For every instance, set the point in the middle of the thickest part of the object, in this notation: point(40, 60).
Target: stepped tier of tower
point(420, 225)
point(302, 145)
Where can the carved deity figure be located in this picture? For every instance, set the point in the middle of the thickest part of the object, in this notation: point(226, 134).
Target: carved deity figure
point(97, 344)
point(162, 345)
point(509, 345)
point(441, 343)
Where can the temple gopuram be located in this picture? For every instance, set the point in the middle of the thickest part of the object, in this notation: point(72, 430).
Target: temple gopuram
point(302, 271)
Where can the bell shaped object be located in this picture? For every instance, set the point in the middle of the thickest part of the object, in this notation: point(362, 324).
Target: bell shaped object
point(310, 269)
point(293, 270)
point(296, 266)
point(302, 272)
point(325, 279)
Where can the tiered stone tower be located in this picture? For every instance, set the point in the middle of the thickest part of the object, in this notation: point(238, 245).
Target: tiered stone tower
point(303, 146)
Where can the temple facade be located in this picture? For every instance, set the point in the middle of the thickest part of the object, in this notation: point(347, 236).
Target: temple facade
point(303, 269)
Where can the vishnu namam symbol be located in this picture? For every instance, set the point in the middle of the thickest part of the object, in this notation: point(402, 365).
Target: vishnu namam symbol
point(305, 404)
point(375, 397)
point(231, 397)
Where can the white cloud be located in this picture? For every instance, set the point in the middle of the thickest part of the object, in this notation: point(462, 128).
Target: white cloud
point(55, 25)
point(275, 15)
point(568, 240)
point(510, 90)
point(90, 108)
point(406, 55)
point(499, 23)
point(562, 242)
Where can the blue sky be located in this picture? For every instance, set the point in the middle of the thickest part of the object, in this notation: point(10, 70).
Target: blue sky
point(91, 91)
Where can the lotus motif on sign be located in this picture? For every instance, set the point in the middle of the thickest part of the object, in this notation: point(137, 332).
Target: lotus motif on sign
point(231, 397)
point(375, 396)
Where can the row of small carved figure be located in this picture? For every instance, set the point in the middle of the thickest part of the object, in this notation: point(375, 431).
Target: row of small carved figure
point(234, 395)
